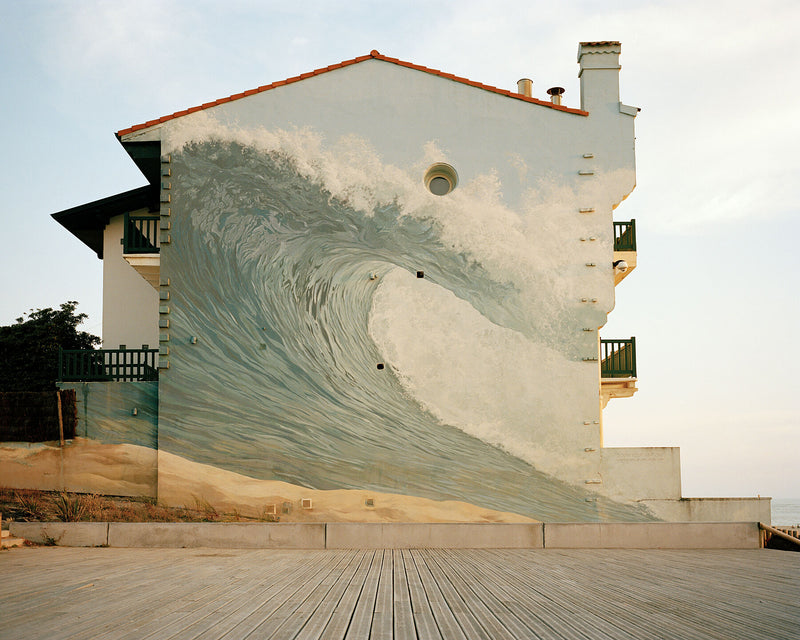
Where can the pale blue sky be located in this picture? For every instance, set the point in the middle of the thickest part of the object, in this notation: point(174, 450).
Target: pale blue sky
point(713, 303)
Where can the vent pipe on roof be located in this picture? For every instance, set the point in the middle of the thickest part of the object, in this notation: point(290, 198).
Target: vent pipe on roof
point(555, 94)
point(525, 87)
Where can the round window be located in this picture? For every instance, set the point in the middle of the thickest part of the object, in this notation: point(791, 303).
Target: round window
point(441, 179)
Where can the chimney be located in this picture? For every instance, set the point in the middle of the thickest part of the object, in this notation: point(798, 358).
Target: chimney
point(555, 94)
point(599, 74)
point(525, 87)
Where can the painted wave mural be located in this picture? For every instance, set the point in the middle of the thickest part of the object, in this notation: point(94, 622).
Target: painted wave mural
point(305, 348)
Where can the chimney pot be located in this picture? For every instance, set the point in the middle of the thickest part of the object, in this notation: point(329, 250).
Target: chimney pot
point(525, 87)
point(555, 94)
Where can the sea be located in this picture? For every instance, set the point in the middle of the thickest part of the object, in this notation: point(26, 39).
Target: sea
point(786, 512)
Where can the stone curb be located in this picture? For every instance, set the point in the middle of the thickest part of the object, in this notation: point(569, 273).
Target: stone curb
point(346, 535)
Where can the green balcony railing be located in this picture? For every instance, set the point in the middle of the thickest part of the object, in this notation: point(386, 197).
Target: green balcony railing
point(108, 365)
point(141, 234)
point(625, 236)
point(618, 358)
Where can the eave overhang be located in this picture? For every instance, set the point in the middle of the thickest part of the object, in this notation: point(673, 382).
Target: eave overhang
point(88, 221)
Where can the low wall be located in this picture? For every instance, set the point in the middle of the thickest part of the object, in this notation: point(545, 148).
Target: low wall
point(712, 509)
point(114, 451)
point(653, 535)
point(117, 412)
point(83, 466)
point(403, 535)
point(256, 535)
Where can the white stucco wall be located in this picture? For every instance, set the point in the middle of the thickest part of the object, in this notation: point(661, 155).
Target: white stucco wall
point(640, 473)
point(547, 164)
point(130, 304)
point(712, 509)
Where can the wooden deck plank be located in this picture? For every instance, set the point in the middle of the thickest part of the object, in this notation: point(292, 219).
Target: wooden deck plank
point(271, 591)
point(464, 607)
point(424, 620)
point(291, 616)
point(124, 594)
point(361, 622)
point(535, 591)
point(471, 585)
point(343, 613)
point(402, 613)
point(282, 601)
point(382, 627)
point(476, 608)
point(321, 616)
point(449, 627)
point(185, 594)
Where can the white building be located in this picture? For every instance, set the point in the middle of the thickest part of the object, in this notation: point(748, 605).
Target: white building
point(382, 276)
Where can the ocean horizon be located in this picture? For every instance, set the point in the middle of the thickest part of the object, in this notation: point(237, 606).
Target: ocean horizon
point(786, 512)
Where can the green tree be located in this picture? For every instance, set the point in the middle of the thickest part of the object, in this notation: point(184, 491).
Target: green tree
point(29, 348)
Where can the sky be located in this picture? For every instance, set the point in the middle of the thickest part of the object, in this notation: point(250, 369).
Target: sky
point(713, 302)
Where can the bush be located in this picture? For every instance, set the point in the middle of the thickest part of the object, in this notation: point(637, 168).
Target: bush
point(29, 348)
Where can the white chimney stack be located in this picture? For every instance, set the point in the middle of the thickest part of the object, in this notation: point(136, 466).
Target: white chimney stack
point(599, 73)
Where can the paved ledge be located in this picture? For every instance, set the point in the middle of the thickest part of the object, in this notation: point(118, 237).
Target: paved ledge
point(653, 535)
point(63, 534)
point(347, 535)
point(230, 535)
point(439, 535)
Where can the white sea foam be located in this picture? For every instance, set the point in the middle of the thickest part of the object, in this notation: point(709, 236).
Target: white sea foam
point(489, 381)
point(531, 248)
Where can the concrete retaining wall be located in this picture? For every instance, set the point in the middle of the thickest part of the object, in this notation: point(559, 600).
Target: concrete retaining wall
point(233, 535)
point(711, 509)
point(64, 534)
point(397, 535)
point(340, 535)
point(653, 535)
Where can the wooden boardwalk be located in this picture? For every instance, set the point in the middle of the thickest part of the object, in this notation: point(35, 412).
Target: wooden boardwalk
point(57, 592)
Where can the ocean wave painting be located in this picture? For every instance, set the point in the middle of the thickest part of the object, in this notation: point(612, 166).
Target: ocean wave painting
point(334, 326)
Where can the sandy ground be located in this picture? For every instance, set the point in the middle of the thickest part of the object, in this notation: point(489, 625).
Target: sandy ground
point(92, 467)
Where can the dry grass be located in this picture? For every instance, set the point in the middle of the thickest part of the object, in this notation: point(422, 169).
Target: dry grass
point(50, 506)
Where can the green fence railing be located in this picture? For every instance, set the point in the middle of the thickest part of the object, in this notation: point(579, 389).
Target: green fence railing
point(625, 236)
point(108, 365)
point(618, 358)
point(141, 234)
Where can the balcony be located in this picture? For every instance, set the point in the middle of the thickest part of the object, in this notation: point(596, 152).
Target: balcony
point(624, 248)
point(140, 246)
point(108, 365)
point(617, 369)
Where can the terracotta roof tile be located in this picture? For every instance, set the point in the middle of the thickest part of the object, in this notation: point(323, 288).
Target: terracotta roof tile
point(373, 55)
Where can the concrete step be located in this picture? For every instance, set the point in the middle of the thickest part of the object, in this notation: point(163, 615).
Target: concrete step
point(8, 542)
point(6, 533)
